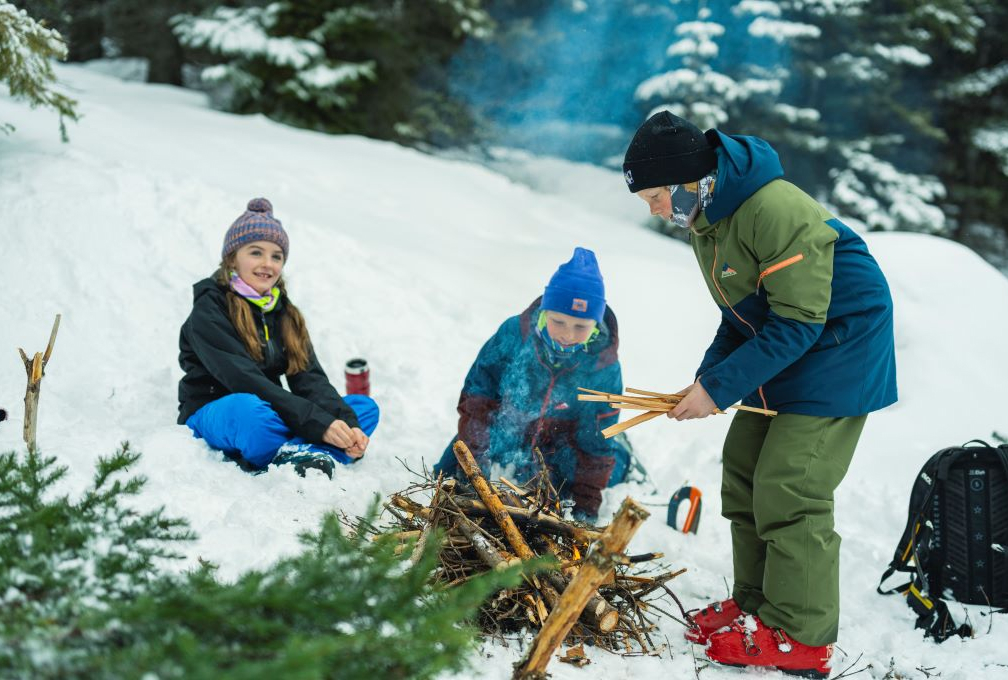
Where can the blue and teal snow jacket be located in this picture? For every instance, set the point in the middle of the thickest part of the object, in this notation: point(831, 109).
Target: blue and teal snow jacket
point(807, 318)
point(516, 397)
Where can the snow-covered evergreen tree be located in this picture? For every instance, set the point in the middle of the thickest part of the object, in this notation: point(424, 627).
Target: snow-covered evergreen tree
point(865, 78)
point(765, 58)
point(971, 69)
point(835, 85)
point(372, 67)
point(693, 89)
point(26, 48)
point(85, 594)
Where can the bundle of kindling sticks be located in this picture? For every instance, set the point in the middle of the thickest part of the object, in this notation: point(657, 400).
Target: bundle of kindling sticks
point(653, 404)
point(595, 595)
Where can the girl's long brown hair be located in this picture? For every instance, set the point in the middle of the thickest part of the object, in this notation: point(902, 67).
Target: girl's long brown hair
point(293, 330)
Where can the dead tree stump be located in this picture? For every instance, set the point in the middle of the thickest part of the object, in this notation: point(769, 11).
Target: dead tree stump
point(35, 369)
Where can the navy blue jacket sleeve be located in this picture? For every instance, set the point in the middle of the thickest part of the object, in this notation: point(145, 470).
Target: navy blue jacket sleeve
point(776, 346)
point(726, 340)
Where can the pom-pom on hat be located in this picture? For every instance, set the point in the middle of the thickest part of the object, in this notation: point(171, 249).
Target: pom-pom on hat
point(255, 224)
point(667, 150)
point(577, 288)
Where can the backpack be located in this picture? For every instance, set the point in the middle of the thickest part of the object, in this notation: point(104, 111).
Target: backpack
point(955, 543)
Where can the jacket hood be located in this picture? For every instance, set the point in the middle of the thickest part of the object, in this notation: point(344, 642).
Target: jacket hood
point(205, 286)
point(604, 349)
point(745, 164)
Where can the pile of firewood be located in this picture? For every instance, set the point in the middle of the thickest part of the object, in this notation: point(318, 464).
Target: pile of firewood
point(596, 595)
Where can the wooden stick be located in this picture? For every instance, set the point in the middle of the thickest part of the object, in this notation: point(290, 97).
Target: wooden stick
point(669, 407)
point(648, 393)
point(35, 368)
point(500, 514)
point(598, 612)
point(637, 407)
point(52, 340)
point(492, 501)
point(598, 564)
point(653, 579)
point(443, 490)
point(585, 389)
point(739, 407)
point(623, 399)
point(525, 516)
point(753, 409)
point(511, 485)
point(614, 430)
point(603, 398)
point(400, 535)
point(487, 552)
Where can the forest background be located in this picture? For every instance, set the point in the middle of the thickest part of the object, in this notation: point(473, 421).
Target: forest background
point(892, 112)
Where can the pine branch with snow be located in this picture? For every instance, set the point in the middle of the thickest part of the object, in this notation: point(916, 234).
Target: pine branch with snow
point(346, 607)
point(26, 48)
point(85, 594)
point(63, 561)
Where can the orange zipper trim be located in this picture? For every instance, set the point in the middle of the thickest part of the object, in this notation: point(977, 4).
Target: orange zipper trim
point(777, 267)
point(728, 304)
point(723, 296)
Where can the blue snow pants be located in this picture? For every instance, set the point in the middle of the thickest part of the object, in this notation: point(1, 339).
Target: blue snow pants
point(244, 424)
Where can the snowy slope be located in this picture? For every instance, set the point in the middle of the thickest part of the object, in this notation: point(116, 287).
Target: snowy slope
point(413, 261)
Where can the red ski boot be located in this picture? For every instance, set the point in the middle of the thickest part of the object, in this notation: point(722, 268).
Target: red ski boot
point(748, 642)
point(712, 618)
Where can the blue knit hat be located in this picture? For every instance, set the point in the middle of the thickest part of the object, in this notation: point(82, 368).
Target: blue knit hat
point(255, 224)
point(577, 288)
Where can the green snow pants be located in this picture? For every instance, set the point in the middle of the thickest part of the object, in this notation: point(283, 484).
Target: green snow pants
point(777, 491)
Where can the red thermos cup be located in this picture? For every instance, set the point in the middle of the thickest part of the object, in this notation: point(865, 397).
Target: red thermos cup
point(358, 377)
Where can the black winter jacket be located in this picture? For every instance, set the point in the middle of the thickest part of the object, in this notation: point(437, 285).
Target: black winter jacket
point(216, 364)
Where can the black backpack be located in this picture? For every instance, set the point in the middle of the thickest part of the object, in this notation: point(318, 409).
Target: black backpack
point(955, 543)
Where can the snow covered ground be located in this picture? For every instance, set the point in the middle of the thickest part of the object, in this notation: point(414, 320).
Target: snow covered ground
point(412, 262)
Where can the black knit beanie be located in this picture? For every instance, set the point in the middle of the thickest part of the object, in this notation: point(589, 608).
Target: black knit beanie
point(667, 150)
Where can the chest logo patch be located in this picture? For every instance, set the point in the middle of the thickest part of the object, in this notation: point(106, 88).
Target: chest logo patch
point(727, 271)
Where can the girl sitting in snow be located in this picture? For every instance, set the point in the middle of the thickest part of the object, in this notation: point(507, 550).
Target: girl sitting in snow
point(243, 333)
point(521, 392)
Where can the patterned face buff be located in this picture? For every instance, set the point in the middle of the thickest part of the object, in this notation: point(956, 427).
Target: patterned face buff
point(267, 301)
point(688, 200)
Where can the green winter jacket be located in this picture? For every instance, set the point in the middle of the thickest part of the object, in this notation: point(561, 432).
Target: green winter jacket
point(807, 323)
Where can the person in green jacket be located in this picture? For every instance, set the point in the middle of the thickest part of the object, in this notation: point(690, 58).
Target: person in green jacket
point(806, 330)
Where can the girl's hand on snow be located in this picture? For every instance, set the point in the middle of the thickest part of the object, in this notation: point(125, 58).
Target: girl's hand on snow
point(696, 404)
point(342, 436)
point(360, 444)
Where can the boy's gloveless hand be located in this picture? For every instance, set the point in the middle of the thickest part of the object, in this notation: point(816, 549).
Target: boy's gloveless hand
point(696, 404)
point(352, 440)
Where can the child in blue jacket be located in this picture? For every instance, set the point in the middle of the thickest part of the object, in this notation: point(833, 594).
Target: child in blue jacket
point(521, 392)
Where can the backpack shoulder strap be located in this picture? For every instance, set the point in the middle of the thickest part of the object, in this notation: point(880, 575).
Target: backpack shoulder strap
point(1002, 454)
point(920, 496)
